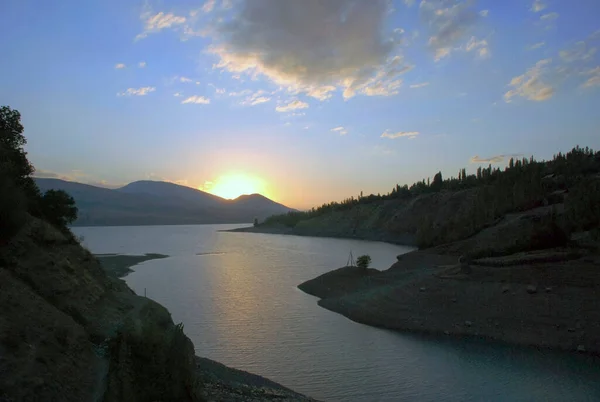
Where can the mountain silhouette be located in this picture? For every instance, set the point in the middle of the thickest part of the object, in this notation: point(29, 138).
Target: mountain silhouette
point(159, 203)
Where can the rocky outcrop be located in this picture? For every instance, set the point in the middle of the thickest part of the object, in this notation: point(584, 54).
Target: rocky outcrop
point(70, 333)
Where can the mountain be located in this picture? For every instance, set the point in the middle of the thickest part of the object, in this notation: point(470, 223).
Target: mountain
point(159, 203)
point(171, 190)
point(260, 204)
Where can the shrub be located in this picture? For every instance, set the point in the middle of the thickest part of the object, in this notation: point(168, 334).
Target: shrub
point(363, 261)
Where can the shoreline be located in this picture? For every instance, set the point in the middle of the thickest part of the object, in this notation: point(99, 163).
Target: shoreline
point(531, 305)
point(400, 240)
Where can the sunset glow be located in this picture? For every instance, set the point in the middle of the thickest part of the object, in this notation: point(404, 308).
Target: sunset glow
point(233, 185)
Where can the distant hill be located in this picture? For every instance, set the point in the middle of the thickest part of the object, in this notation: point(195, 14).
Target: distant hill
point(174, 191)
point(159, 203)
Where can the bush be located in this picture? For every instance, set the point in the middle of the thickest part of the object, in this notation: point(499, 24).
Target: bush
point(58, 208)
point(363, 261)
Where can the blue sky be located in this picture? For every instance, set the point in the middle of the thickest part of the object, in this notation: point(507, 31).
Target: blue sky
point(305, 101)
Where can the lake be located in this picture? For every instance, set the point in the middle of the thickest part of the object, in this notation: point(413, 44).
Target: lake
point(236, 295)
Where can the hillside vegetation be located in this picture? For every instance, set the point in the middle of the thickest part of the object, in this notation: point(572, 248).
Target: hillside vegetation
point(431, 213)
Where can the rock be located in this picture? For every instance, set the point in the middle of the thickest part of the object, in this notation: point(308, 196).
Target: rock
point(531, 289)
point(468, 323)
point(581, 349)
point(571, 329)
point(446, 332)
point(505, 289)
point(548, 289)
point(422, 289)
point(454, 300)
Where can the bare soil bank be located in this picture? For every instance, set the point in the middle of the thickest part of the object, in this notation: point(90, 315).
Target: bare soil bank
point(546, 299)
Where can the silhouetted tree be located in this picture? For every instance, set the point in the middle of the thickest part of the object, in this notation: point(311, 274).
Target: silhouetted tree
point(255, 222)
point(363, 262)
point(437, 183)
point(59, 208)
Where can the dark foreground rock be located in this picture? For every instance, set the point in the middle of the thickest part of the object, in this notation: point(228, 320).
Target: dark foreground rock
point(69, 332)
point(551, 302)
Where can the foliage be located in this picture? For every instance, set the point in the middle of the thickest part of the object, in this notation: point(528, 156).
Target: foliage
point(58, 208)
point(255, 222)
point(20, 194)
point(363, 261)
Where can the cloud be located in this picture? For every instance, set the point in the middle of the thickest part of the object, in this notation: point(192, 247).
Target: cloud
point(420, 85)
point(549, 17)
point(313, 47)
point(185, 79)
point(409, 3)
point(449, 22)
point(340, 130)
point(399, 134)
point(581, 51)
point(143, 91)
point(142, 64)
point(537, 45)
point(120, 66)
point(177, 94)
point(594, 80)
point(76, 176)
point(479, 46)
point(484, 13)
point(208, 6)
point(154, 23)
point(493, 159)
point(538, 6)
point(294, 105)
point(199, 100)
point(256, 99)
point(530, 85)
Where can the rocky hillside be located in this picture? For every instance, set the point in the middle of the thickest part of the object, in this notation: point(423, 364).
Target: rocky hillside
point(446, 211)
point(68, 332)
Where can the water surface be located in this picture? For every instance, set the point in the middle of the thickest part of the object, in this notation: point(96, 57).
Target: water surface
point(236, 295)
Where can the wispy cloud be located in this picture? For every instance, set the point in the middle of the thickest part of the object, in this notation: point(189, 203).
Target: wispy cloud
point(449, 23)
point(594, 80)
point(530, 85)
point(154, 23)
point(549, 17)
point(537, 45)
point(177, 94)
point(340, 130)
point(120, 66)
point(478, 46)
point(185, 79)
point(294, 105)
point(493, 159)
point(399, 134)
point(199, 100)
point(143, 91)
point(256, 98)
point(420, 85)
point(484, 13)
point(538, 5)
point(142, 64)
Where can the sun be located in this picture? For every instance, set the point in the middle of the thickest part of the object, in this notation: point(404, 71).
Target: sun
point(233, 185)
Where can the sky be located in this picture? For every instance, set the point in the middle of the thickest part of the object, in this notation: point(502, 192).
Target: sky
point(304, 101)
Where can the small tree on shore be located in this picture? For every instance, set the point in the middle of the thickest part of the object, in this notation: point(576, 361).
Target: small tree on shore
point(363, 262)
point(255, 222)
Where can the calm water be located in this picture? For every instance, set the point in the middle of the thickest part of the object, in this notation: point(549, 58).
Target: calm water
point(236, 294)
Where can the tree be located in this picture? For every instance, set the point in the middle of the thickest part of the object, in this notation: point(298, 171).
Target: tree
point(363, 262)
point(255, 222)
point(12, 156)
point(59, 208)
point(437, 183)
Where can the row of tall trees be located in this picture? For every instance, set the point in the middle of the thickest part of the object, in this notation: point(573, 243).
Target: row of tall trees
point(519, 186)
point(19, 195)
